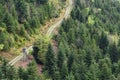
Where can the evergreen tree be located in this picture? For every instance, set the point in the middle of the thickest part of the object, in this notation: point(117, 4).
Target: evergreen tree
point(32, 71)
point(105, 71)
point(11, 73)
point(1, 74)
point(60, 56)
point(34, 23)
point(114, 53)
point(70, 62)
point(50, 62)
point(118, 77)
point(22, 31)
point(64, 72)
point(103, 43)
point(70, 77)
point(20, 72)
point(88, 57)
point(42, 1)
point(57, 75)
point(81, 71)
point(22, 10)
point(8, 20)
point(93, 72)
point(40, 49)
point(4, 68)
point(113, 77)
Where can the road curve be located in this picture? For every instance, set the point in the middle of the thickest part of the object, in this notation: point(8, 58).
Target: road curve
point(49, 32)
point(66, 15)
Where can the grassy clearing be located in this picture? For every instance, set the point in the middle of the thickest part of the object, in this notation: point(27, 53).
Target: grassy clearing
point(113, 38)
point(91, 20)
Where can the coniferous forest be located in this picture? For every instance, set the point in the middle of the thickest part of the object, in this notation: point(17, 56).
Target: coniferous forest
point(87, 44)
point(19, 20)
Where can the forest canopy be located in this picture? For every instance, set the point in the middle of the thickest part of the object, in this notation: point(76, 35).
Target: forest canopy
point(19, 19)
point(85, 49)
point(87, 44)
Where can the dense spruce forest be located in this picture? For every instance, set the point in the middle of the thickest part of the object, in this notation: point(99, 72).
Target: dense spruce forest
point(19, 19)
point(85, 51)
point(88, 46)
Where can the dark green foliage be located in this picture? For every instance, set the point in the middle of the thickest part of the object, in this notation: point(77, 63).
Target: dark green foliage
point(42, 1)
point(11, 73)
point(22, 31)
point(57, 76)
point(35, 54)
point(114, 53)
point(103, 43)
point(34, 23)
point(85, 42)
point(9, 22)
point(22, 11)
point(31, 1)
point(64, 72)
point(5, 40)
point(70, 77)
point(81, 71)
point(105, 72)
point(40, 49)
point(21, 72)
point(32, 71)
point(61, 56)
point(70, 61)
point(50, 62)
point(8, 72)
point(93, 71)
point(85, 50)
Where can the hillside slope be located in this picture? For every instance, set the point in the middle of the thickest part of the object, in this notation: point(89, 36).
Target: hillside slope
point(21, 18)
point(86, 49)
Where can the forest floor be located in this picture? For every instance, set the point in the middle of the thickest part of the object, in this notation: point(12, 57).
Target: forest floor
point(24, 64)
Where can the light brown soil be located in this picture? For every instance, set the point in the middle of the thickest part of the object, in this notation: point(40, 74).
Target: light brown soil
point(24, 64)
point(39, 68)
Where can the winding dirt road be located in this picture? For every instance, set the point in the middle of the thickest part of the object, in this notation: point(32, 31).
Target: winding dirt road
point(66, 15)
point(49, 32)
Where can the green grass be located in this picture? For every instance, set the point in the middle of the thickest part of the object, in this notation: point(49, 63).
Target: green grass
point(112, 38)
point(91, 20)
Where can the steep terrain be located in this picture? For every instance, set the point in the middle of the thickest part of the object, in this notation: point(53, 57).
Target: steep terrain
point(88, 46)
point(22, 21)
